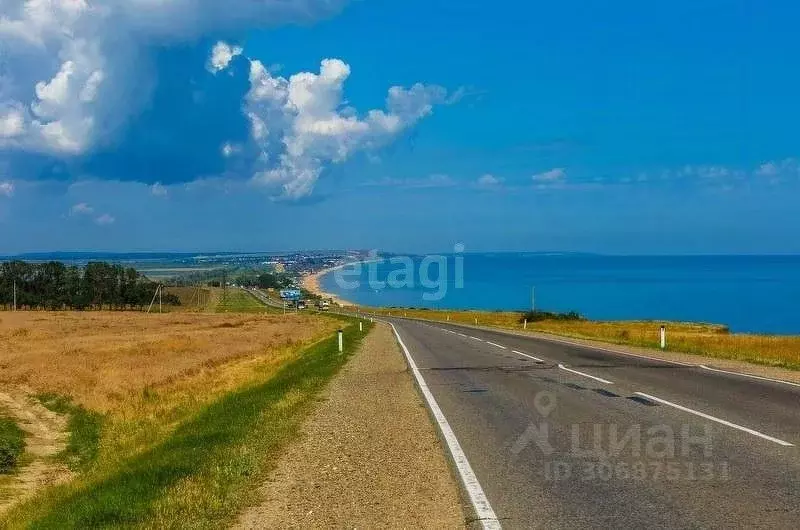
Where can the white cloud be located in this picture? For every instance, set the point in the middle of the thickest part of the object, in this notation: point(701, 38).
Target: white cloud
point(554, 175)
point(73, 71)
point(777, 169)
point(104, 220)
point(488, 181)
point(229, 149)
point(158, 190)
point(81, 209)
point(221, 56)
point(767, 169)
point(12, 123)
point(431, 181)
point(302, 123)
point(6, 189)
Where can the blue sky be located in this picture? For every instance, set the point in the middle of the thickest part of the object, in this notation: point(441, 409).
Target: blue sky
point(628, 127)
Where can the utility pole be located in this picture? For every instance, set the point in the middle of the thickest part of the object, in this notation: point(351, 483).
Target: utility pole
point(160, 307)
point(15, 294)
point(225, 288)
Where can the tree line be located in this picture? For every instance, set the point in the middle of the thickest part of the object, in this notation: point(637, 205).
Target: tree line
point(54, 286)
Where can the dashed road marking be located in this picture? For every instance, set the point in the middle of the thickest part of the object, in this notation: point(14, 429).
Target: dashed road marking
point(713, 418)
point(600, 379)
point(528, 356)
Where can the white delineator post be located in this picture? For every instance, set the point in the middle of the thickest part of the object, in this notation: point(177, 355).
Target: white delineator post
point(361, 326)
point(341, 341)
point(663, 337)
point(525, 324)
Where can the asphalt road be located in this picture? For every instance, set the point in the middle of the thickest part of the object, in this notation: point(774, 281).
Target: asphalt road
point(567, 436)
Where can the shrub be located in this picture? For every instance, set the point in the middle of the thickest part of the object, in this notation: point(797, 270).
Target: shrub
point(12, 444)
point(538, 316)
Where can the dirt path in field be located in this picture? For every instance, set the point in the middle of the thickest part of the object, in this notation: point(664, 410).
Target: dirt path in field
point(369, 456)
point(46, 436)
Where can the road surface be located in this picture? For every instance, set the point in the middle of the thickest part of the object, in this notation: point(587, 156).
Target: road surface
point(568, 436)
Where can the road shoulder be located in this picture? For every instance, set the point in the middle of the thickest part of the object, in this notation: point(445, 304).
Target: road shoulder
point(369, 455)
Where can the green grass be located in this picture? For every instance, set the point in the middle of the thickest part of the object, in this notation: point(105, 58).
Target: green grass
point(239, 301)
point(84, 428)
point(12, 444)
point(206, 470)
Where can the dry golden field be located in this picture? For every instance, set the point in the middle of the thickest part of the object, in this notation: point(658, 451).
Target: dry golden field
point(138, 377)
point(702, 339)
point(99, 358)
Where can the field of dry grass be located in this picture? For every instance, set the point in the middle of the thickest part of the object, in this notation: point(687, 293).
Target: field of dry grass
point(99, 358)
point(144, 375)
point(702, 339)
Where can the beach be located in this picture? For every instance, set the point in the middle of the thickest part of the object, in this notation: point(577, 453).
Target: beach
point(311, 284)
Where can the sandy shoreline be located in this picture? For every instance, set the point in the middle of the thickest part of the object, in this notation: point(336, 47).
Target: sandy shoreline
point(311, 283)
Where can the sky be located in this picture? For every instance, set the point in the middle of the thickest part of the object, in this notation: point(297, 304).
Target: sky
point(620, 127)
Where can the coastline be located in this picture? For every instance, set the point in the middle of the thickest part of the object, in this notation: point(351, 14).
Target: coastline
point(311, 283)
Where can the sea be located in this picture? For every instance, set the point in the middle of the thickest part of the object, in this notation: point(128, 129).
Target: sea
point(756, 294)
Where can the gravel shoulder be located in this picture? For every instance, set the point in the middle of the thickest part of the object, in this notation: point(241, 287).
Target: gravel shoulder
point(369, 456)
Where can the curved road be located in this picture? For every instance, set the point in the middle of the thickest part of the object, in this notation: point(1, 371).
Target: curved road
point(567, 436)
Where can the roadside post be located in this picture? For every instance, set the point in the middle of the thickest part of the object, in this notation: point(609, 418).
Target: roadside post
point(361, 326)
point(341, 341)
point(525, 324)
point(663, 337)
point(476, 321)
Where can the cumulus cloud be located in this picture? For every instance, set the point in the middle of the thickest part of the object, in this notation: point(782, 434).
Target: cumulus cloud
point(6, 189)
point(105, 219)
point(488, 181)
point(81, 209)
point(73, 71)
point(436, 180)
point(221, 56)
point(158, 190)
point(554, 175)
point(229, 149)
point(300, 124)
point(777, 169)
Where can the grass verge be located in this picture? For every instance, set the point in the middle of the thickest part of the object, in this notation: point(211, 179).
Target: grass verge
point(12, 444)
point(84, 428)
point(202, 474)
point(234, 300)
point(710, 340)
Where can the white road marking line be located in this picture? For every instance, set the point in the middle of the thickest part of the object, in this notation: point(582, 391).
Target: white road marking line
point(528, 356)
point(476, 338)
point(600, 379)
point(497, 345)
point(461, 335)
point(592, 347)
point(477, 497)
point(609, 350)
point(751, 376)
point(712, 418)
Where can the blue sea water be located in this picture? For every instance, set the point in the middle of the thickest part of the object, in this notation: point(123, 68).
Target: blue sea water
point(758, 294)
